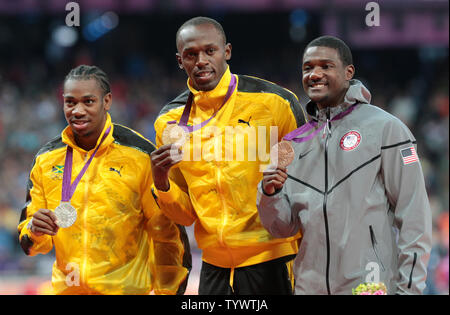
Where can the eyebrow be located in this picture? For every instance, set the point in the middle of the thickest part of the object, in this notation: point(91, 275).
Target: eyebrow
point(194, 48)
point(84, 96)
point(320, 60)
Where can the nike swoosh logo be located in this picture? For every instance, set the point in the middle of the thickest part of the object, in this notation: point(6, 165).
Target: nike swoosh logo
point(302, 155)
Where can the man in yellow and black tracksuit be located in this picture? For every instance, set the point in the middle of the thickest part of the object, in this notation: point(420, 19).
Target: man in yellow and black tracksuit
point(120, 243)
point(217, 191)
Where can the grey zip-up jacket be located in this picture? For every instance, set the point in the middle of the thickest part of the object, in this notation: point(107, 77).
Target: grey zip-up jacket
point(357, 193)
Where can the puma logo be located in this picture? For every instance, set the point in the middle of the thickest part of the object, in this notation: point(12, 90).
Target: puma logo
point(115, 170)
point(241, 121)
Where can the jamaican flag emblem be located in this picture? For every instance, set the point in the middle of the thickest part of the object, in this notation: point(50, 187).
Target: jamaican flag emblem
point(57, 172)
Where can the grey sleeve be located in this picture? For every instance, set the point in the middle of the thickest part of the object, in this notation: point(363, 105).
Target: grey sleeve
point(276, 214)
point(405, 188)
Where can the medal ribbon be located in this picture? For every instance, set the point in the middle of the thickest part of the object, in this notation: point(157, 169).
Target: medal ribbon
point(67, 188)
point(294, 135)
point(187, 109)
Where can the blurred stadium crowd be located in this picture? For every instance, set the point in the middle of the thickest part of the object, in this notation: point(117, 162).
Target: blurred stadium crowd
point(410, 82)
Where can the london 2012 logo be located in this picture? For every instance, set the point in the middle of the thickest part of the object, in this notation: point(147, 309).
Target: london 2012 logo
point(350, 140)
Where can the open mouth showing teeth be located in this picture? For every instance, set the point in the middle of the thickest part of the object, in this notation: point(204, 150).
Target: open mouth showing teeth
point(203, 74)
point(317, 85)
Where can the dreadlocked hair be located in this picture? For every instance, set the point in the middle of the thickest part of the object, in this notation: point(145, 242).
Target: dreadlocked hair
point(84, 72)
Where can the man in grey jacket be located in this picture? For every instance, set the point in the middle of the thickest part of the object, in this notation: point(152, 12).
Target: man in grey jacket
point(355, 188)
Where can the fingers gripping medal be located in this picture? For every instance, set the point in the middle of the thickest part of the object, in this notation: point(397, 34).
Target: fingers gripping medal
point(65, 213)
point(282, 154)
point(178, 136)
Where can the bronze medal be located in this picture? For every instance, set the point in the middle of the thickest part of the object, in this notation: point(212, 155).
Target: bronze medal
point(282, 154)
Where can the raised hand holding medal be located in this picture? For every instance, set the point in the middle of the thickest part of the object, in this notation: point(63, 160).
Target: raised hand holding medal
point(65, 213)
point(176, 135)
point(281, 155)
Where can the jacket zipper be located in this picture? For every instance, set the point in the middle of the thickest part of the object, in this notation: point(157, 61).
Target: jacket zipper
point(225, 212)
point(327, 273)
point(374, 242)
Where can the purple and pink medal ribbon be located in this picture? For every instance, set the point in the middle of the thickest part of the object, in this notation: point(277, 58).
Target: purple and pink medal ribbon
point(187, 109)
point(295, 135)
point(68, 189)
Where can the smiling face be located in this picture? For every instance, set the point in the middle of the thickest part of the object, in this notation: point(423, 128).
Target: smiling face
point(325, 78)
point(203, 54)
point(85, 109)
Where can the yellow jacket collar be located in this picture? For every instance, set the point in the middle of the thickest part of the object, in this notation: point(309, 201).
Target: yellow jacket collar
point(69, 139)
point(212, 99)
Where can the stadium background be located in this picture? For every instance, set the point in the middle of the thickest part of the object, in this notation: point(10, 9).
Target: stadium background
point(404, 62)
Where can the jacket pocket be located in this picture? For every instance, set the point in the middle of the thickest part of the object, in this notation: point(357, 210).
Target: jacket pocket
point(373, 240)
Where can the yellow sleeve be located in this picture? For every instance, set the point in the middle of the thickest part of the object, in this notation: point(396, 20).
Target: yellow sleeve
point(30, 243)
point(174, 203)
point(169, 256)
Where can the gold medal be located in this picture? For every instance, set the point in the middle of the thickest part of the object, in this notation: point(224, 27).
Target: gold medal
point(174, 134)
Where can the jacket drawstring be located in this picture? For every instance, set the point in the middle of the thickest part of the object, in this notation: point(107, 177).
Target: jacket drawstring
point(232, 279)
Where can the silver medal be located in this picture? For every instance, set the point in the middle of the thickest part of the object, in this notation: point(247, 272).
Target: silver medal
point(66, 215)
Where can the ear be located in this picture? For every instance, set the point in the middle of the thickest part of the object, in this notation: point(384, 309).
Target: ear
point(228, 51)
point(107, 101)
point(349, 72)
point(180, 63)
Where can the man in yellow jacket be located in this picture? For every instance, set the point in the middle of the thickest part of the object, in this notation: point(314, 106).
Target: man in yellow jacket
point(89, 197)
point(229, 122)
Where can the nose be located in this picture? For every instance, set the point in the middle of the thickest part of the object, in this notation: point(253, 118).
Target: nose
point(202, 59)
point(316, 73)
point(78, 110)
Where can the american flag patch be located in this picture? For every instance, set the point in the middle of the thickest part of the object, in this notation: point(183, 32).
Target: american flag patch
point(409, 155)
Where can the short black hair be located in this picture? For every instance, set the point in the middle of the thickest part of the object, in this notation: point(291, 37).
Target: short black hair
point(84, 72)
point(200, 20)
point(333, 42)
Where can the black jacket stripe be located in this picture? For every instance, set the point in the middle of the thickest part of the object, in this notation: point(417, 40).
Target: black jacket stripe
point(306, 184)
point(256, 85)
point(127, 137)
point(354, 170)
point(179, 101)
point(371, 160)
